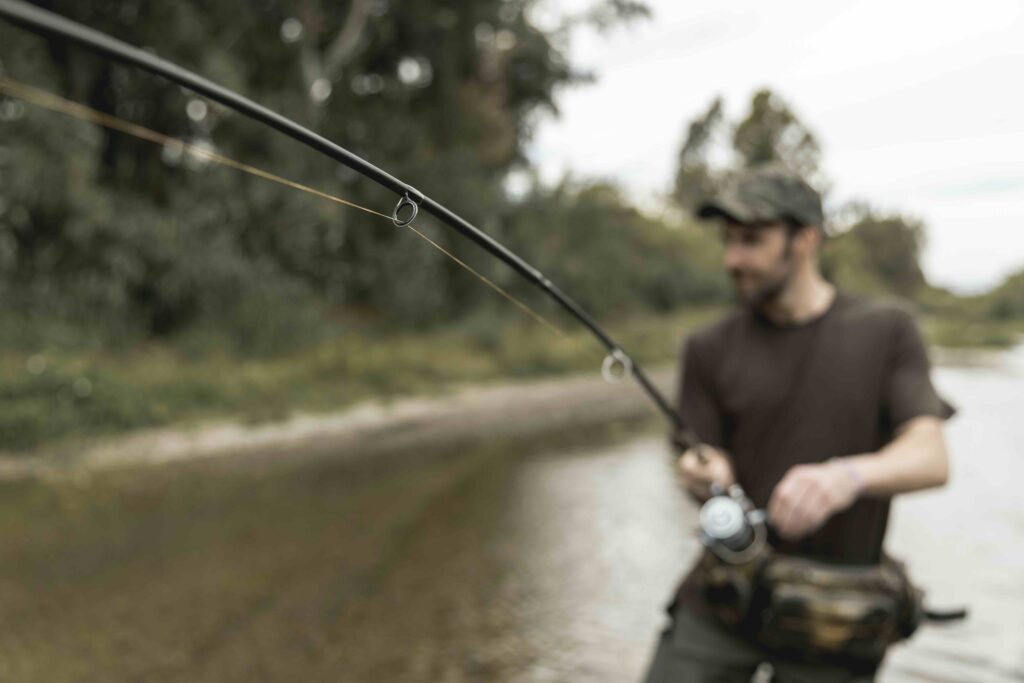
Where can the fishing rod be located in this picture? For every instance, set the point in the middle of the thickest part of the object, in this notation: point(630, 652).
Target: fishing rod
point(411, 201)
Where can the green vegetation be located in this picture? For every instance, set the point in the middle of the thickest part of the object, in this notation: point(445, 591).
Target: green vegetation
point(143, 286)
point(982, 321)
point(56, 394)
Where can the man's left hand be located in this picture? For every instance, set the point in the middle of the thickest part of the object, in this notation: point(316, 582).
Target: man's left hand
point(809, 495)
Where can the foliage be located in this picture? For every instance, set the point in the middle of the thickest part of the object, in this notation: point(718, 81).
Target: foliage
point(145, 241)
point(771, 133)
point(54, 394)
point(695, 180)
point(878, 254)
point(1006, 302)
point(143, 285)
point(714, 148)
point(611, 256)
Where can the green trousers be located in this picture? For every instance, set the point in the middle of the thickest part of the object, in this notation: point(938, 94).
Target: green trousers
point(695, 649)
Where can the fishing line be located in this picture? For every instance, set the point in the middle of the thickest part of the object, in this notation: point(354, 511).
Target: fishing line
point(493, 285)
point(56, 103)
point(616, 365)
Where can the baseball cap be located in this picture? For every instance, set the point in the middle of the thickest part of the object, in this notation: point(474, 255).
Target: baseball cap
point(765, 194)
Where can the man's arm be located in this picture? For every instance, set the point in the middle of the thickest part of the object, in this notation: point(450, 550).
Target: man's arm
point(810, 494)
point(916, 459)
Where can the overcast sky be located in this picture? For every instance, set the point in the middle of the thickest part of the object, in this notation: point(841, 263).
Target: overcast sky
point(918, 106)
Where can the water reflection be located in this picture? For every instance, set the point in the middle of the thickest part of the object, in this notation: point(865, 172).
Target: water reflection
point(597, 538)
point(966, 542)
point(600, 538)
point(498, 561)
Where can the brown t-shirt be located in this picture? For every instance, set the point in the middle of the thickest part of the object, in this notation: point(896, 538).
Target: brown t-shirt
point(778, 396)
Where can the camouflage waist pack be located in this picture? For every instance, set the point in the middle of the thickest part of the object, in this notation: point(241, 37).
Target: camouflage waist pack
point(814, 610)
point(812, 607)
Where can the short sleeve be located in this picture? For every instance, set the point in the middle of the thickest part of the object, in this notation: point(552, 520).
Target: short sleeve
point(910, 391)
point(695, 397)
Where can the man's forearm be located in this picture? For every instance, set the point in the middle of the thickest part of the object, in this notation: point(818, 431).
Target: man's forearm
point(916, 459)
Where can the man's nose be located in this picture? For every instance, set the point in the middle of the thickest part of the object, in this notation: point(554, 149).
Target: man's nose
point(734, 257)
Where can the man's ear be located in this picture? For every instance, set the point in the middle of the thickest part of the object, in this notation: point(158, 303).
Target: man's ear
point(808, 241)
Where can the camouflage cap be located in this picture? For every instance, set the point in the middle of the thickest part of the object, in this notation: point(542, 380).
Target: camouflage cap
point(765, 195)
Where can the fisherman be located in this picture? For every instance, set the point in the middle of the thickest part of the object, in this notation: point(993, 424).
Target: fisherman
point(817, 402)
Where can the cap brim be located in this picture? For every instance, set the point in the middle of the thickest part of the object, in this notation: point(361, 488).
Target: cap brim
point(722, 208)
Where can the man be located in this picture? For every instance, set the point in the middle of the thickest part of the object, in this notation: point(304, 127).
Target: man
point(818, 403)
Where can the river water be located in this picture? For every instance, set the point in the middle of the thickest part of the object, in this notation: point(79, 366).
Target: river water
point(597, 538)
point(506, 561)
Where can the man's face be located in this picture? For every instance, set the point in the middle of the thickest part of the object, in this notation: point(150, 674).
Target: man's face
point(759, 259)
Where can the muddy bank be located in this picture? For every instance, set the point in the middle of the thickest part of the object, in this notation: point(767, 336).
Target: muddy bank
point(519, 410)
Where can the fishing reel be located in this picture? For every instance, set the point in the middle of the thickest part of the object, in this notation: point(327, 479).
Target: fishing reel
point(735, 534)
point(731, 526)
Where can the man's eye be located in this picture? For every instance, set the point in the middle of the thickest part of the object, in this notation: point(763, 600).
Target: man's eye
point(746, 239)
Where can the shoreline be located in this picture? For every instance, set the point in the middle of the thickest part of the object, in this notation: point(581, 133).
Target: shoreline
point(519, 409)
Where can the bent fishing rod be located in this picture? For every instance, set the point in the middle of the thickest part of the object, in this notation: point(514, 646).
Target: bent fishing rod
point(616, 364)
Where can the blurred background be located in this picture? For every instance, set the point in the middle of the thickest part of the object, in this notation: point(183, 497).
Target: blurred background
point(414, 480)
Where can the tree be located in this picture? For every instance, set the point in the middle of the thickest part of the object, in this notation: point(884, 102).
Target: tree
point(1006, 302)
point(694, 178)
point(878, 254)
point(770, 133)
point(611, 257)
point(441, 93)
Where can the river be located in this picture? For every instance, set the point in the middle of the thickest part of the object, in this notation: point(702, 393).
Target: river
point(521, 560)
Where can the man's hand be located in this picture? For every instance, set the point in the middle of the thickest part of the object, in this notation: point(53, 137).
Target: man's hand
point(810, 494)
point(703, 465)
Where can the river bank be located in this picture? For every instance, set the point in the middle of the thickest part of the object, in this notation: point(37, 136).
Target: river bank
point(59, 399)
point(63, 400)
point(512, 409)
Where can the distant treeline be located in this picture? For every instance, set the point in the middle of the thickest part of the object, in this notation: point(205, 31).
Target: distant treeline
point(105, 238)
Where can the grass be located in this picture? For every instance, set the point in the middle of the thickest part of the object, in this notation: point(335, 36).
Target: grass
point(60, 395)
point(965, 332)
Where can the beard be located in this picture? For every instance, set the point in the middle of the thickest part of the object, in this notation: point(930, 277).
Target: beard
point(762, 295)
point(759, 290)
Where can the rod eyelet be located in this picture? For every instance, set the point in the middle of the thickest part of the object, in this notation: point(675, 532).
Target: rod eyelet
point(616, 366)
point(405, 201)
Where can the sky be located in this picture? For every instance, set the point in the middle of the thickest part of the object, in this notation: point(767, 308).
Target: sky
point(918, 106)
